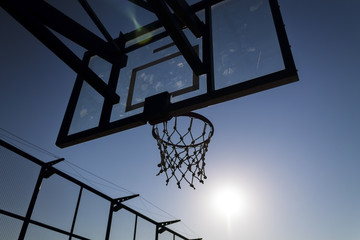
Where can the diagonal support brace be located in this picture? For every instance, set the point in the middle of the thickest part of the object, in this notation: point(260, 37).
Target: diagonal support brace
point(173, 28)
point(188, 17)
point(117, 203)
point(47, 168)
point(161, 226)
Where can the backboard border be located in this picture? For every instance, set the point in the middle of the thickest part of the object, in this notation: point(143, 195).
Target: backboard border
point(279, 78)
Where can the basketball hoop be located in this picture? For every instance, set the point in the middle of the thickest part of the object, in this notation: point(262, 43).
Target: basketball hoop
point(183, 142)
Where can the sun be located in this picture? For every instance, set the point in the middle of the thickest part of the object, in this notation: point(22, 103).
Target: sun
point(230, 201)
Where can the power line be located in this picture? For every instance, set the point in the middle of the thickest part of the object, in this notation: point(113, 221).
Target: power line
point(26, 143)
point(103, 179)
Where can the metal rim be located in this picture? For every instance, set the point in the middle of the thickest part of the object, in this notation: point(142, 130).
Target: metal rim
point(191, 115)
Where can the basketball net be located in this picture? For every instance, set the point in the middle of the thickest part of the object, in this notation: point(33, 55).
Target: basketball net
point(183, 142)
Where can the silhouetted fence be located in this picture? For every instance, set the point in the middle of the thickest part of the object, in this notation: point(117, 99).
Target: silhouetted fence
point(38, 201)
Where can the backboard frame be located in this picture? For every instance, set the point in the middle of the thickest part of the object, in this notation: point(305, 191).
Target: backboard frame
point(288, 75)
point(39, 16)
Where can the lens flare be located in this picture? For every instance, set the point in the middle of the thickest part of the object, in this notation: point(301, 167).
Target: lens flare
point(141, 37)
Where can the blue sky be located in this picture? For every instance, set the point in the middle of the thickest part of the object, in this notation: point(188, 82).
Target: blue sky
point(292, 152)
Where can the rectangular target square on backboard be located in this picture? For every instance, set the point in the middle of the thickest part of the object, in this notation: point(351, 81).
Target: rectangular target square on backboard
point(143, 76)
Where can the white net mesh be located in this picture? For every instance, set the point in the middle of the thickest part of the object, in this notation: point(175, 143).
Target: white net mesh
point(183, 142)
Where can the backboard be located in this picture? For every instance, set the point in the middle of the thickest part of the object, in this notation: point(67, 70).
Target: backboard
point(144, 61)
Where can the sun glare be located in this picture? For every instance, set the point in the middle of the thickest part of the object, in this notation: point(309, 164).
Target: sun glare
point(230, 202)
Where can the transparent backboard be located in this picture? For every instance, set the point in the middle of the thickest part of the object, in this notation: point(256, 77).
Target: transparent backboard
point(242, 49)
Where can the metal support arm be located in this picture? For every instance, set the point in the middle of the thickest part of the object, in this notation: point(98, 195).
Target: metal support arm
point(37, 16)
point(173, 28)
